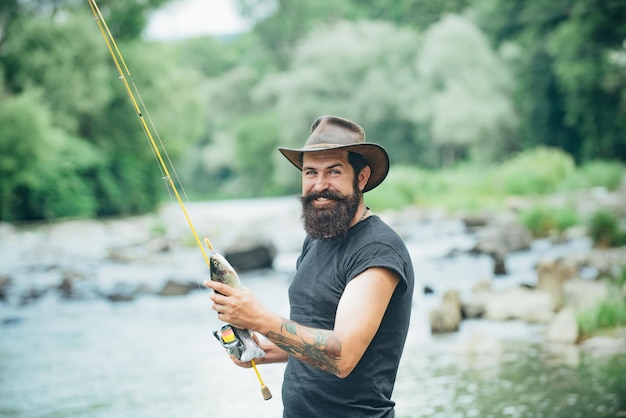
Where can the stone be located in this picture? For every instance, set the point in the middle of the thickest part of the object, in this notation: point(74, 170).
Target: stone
point(5, 284)
point(564, 327)
point(520, 303)
point(452, 297)
point(251, 255)
point(582, 294)
point(604, 345)
point(503, 237)
point(445, 319)
point(551, 276)
point(475, 305)
point(174, 288)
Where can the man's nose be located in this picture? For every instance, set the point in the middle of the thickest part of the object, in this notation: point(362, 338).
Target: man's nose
point(321, 183)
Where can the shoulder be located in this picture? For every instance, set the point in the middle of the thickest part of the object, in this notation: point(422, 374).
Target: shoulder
point(376, 233)
point(376, 244)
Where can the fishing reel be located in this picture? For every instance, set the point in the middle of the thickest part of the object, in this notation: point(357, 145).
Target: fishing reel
point(229, 340)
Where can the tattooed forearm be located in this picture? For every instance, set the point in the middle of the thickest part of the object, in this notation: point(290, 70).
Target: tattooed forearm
point(318, 348)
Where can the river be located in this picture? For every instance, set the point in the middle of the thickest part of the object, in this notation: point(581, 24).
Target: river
point(156, 357)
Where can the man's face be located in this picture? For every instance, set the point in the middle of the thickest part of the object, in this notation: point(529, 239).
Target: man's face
point(330, 193)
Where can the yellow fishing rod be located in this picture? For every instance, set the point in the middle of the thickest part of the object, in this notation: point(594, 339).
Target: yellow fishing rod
point(124, 72)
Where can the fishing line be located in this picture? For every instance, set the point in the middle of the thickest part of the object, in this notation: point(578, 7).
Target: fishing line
point(119, 62)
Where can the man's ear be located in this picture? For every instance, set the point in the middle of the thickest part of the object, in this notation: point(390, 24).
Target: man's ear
point(364, 176)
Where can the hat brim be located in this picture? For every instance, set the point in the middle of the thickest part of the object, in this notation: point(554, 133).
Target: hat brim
point(376, 157)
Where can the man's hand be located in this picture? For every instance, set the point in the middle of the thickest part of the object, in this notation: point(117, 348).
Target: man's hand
point(237, 307)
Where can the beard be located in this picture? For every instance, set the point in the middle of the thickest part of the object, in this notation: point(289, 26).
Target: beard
point(334, 220)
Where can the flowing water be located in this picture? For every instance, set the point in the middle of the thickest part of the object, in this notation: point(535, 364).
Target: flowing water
point(156, 357)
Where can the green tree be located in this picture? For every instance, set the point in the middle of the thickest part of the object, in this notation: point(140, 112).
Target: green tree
point(45, 172)
point(281, 24)
point(466, 92)
point(64, 60)
point(593, 85)
point(171, 104)
point(570, 87)
point(364, 71)
point(419, 14)
point(96, 159)
point(257, 141)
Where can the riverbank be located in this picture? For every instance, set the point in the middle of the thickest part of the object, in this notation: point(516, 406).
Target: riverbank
point(88, 330)
point(514, 277)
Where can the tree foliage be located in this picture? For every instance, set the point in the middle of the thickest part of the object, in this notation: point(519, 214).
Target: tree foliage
point(281, 24)
point(435, 82)
point(570, 86)
point(364, 71)
point(466, 92)
point(71, 144)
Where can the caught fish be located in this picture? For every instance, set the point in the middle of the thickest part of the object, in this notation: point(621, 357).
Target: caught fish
point(238, 342)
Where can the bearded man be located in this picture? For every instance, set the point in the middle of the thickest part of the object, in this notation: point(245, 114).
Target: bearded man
point(350, 299)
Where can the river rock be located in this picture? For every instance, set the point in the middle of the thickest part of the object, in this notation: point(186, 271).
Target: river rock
point(452, 297)
point(604, 345)
point(5, 283)
point(444, 319)
point(605, 261)
point(502, 237)
point(474, 306)
point(447, 317)
point(122, 292)
point(499, 264)
point(74, 285)
point(175, 288)
point(552, 274)
point(251, 255)
point(581, 294)
point(31, 294)
point(139, 251)
point(564, 327)
point(520, 303)
point(474, 221)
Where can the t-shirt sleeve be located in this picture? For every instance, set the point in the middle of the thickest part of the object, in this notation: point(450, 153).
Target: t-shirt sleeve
point(378, 254)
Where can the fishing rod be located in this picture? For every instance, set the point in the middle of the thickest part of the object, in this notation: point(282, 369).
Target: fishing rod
point(123, 72)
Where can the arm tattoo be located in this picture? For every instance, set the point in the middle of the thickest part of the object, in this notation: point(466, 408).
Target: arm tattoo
point(318, 348)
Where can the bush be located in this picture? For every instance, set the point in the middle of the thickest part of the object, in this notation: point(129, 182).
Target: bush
point(534, 172)
point(543, 220)
point(399, 189)
point(607, 174)
point(538, 220)
point(609, 313)
point(605, 229)
point(564, 218)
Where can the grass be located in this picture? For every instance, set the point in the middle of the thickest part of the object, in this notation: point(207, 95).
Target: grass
point(543, 220)
point(605, 229)
point(610, 313)
point(531, 174)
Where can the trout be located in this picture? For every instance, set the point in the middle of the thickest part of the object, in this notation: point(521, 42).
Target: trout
point(243, 346)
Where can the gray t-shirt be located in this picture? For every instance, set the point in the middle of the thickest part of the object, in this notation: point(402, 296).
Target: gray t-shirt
point(324, 268)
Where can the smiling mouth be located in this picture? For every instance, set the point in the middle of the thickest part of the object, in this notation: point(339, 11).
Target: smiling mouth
point(323, 202)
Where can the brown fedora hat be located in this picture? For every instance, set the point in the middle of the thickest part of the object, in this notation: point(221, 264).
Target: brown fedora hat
point(332, 132)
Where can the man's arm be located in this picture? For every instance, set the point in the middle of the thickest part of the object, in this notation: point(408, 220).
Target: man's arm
point(359, 314)
point(273, 354)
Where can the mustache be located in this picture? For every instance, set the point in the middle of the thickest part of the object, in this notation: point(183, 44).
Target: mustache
point(325, 194)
